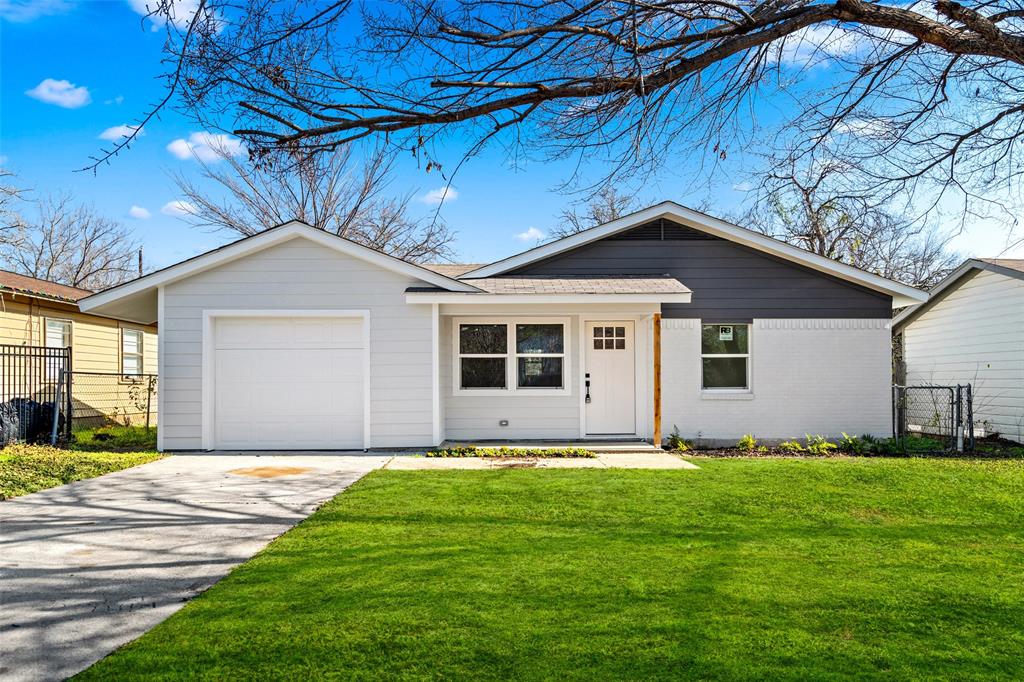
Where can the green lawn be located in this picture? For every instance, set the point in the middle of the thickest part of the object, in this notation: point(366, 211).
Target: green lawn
point(746, 569)
point(27, 468)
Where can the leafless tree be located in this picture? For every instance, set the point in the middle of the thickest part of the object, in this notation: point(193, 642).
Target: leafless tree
point(71, 244)
point(816, 209)
point(10, 216)
point(605, 205)
point(924, 92)
point(329, 191)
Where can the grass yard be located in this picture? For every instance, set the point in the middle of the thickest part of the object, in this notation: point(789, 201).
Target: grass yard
point(746, 569)
point(27, 468)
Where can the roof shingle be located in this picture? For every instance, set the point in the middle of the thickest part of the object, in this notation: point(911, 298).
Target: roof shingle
point(40, 288)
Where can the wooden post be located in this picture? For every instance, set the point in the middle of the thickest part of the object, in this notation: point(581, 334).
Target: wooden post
point(657, 379)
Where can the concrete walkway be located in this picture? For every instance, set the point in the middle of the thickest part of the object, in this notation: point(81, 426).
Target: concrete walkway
point(89, 566)
point(653, 459)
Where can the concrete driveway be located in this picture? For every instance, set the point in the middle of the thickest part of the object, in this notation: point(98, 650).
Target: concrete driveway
point(87, 567)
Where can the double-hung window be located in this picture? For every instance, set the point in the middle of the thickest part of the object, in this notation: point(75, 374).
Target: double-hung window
point(528, 356)
point(57, 334)
point(131, 352)
point(725, 356)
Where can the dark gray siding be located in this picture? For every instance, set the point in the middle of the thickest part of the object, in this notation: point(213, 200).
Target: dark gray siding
point(730, 282)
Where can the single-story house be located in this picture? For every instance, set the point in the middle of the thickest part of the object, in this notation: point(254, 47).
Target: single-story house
point(37, 312)
point(296, 338)
point(971, 331)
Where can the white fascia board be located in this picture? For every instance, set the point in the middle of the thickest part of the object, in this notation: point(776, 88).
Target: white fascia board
point(901, 293)
point(264, 240)
point(499, 299)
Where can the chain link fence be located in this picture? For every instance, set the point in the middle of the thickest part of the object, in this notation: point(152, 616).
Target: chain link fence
point(934, 419)
point(109, 398)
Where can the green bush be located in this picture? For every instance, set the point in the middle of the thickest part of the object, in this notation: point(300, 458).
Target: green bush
point(852, 445)
point(676, 443)
point(748, 443)
point(791, 446)
point(473, 451)
point(819, 445)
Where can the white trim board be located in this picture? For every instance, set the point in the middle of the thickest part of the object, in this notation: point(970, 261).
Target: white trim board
point(206, 409)
point(502, 299)
point(902, 294)
point(259, 242)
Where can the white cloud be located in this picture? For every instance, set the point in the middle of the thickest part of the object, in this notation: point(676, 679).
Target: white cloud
point(532, 234)
point(139, 212)
point(818, 45)
point(178, 208)
point(436, 196)
point(24, 11)
point(742, 186)
point(183, 12)
point(118, 132)
point(60, 92)
point(863, 127)
point(114, 100)
point(205, 147)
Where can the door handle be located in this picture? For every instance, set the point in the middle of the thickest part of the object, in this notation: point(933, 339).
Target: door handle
point(587, 384)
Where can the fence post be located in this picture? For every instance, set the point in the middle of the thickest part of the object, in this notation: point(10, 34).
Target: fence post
point(56, 407)
point(149, 398)
point(958, 412)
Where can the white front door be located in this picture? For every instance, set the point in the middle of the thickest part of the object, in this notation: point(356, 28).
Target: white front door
point(610, 403)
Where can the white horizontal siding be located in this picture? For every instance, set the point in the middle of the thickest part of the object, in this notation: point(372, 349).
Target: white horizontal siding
point(975, 335)
point(299, 274)
point(807, 376)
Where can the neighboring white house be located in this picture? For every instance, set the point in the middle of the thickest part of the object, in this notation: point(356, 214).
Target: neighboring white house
point(971, 331)
point(296, 338)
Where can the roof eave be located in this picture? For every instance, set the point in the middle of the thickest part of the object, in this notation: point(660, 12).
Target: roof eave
point(499, 299)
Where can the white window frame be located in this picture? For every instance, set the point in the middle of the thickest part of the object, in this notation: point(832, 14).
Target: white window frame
point(512, 357)
point(141, 352)
point(46, 332)
point(750, 343)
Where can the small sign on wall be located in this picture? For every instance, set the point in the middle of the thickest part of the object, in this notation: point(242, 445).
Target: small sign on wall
point(725, 333)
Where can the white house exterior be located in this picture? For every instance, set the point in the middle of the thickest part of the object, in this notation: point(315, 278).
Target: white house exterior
point(971, 331)
point(298, 339)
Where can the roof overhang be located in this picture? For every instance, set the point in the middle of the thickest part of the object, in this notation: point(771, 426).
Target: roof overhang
point(501, 299)
point(952, 281)
point(902, 295)
point(136, 300)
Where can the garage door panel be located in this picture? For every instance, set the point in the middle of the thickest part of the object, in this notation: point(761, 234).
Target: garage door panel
point(286, 383)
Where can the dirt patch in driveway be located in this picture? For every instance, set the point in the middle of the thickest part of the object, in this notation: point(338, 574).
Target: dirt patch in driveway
point(270, 472)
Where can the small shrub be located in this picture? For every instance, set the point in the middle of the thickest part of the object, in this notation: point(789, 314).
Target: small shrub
point(819, 445)
point(762, 449)
point(791, 446)
point(748, 443)
point(852, 445)
point(676, 443)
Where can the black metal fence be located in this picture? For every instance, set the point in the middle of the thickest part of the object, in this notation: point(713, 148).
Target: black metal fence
point(104, 398)
point(934, 419)
point(35, 394)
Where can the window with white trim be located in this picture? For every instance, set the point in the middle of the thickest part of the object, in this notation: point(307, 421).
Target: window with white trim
point(725, 356)
point(131, 351)
point(527, 355)
point(58, 333)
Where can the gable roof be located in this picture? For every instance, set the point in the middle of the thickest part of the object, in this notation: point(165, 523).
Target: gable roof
point(452, 269)
point(901, 294)
point(39, 288)
point(117, 301)
point(1009, 267)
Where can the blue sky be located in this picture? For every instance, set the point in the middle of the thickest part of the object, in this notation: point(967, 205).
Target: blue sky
point(110, 60)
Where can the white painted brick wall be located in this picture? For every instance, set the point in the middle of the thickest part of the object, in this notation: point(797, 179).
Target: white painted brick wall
point(808, 376)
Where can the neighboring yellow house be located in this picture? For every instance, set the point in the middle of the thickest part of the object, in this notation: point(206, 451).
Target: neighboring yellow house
point(36, 312)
